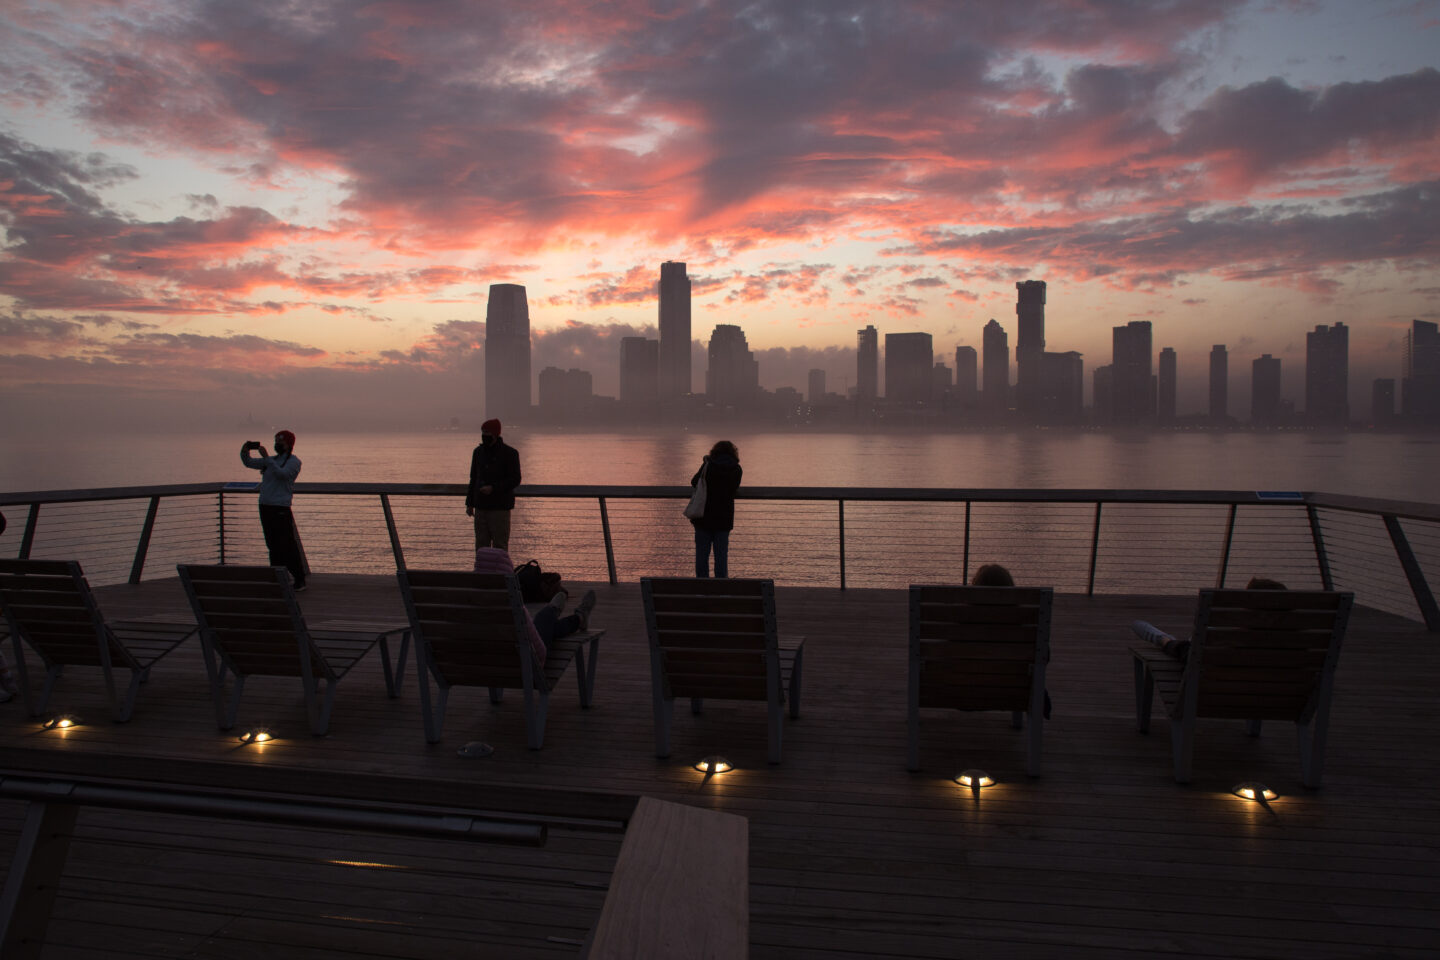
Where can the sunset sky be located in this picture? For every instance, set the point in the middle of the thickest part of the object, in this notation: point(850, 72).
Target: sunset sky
point(293, 210)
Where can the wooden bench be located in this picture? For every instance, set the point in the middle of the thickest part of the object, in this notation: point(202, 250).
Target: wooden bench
point(1255, 655)
point(718, 638)
point(979, 648)
point(680, 889)
point(471, 630)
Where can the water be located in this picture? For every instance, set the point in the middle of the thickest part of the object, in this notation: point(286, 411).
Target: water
point(1371, 465)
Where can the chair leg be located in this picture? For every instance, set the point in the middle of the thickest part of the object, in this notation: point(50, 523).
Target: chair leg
point(1252, 727)
point(325, 709)
point(664, 717)
point(433, 720)
point(392, 683)
point(697, 705)
point(1182, 743)
point(127, 706)
point(537, 708)
point(912, 725)
point(1144, 696)
point(497, 694)
point(795, 676)
point(1017, 719)
point(585, 670)
point(230, 712)
point(777, 729)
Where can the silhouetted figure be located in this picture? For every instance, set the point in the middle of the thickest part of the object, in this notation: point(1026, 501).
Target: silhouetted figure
point(1180, 649)
point(546, 625)
point(994, 575)
point(277, 488)
point(494, 475)
point(721, 469)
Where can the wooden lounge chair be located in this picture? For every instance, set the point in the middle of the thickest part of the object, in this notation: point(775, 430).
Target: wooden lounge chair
point(1255, 655)
point(49, 605)
point(717, 638)
point(980, 648)
point(470, 630)
point(251, 625)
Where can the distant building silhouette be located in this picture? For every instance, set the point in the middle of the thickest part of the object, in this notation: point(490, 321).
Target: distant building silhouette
point(816, 393)
point(1165, 387)
point(1104, 394)
point(639, 375)
point(1327, 375)
point(1132, 392)
point(1219, 384)
point(1265, 390)
point(996, 383)
point(1420, 388)
point(1030, 348)
point(909, 359)
point(940, 382)
point(966, 382)
point(1382, 403)
point(733, 379)
point(507, 353)
point(867, 365)
point(675, 379)
point(1062, 393)
point(564, 394)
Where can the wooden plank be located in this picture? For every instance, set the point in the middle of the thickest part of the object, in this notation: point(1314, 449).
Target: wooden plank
point(680, 888)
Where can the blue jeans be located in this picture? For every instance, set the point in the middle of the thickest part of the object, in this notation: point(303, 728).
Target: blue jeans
point(703, 541)
point(551, 626)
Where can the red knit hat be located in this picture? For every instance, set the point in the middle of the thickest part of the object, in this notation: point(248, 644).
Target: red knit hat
point(491, 427)
point(289, 437)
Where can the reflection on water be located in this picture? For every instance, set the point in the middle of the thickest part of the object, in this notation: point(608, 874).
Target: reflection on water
point(1359, 464)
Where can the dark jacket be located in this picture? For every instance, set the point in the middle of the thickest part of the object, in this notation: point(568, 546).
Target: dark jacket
point(497, 467)
point(721, 482)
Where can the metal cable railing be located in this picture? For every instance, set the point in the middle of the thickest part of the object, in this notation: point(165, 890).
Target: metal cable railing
point(1130, 542)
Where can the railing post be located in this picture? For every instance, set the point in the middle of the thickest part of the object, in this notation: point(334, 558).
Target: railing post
point(842, 543)
point(1323, 561)
point(1423, 597)
point(27, 540)
point(965, 562)
point(220, 500)
point(143, 547)
point(609, 544)
point(394, 534)
point(1094, 550)
point(1225, 551)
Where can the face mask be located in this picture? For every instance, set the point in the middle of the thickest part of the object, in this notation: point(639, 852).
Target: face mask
point(487, 440)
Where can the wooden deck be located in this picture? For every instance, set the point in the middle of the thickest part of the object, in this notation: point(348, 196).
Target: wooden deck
point(851, 856)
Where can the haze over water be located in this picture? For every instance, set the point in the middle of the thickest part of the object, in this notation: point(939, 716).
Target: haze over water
point(1373, 465)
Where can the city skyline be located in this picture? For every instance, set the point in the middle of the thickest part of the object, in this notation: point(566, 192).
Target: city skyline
point(207, 206)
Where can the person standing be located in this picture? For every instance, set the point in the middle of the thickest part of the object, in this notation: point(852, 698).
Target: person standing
point(721, 470)
point(277, 488)
point(494, 475)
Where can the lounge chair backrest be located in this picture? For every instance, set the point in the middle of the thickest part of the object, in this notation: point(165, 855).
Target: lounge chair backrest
point(716, 638)
point(50, 604)
point(977, 647)
point(472, 625)
point(1264, 654)
point(249, 616)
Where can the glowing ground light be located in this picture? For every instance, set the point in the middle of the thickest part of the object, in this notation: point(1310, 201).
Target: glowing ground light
point(62, 721)
point(713, 765)
point(257, 735)
point(975, 779)
point(1250, 790)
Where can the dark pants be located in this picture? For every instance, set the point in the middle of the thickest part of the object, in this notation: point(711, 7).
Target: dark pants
point(704, 539)
point(492, 529)
point(551, 626)
point(279, 526)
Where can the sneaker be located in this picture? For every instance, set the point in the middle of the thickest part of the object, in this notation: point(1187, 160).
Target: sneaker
point(587, 603)
point(301, 587)
point(558, 601)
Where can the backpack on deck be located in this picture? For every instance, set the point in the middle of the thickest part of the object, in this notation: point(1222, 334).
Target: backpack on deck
point(536, 585)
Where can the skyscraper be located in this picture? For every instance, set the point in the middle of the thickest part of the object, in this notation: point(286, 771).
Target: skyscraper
point(1382, 403)
point(1265, 390)
point(816, 393)
point(639, 374)
point(564, 394)
point(966, 372)
point(909, 364)
point(507, 352)
point(1029, 347)
point(1131, 381)
point(1165, 399)
point(733, 378)
point(941, 381)
point(1062, 387)
point(1420, 388)
point(1104, 394)
point(867, 363)
point(996, 390)
point(1219, 384)
point(1327, 375)
point(674, 330)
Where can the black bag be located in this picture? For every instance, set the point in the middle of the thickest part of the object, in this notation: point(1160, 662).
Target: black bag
point(536, 585)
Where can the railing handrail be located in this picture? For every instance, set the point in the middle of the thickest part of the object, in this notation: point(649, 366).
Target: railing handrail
point(1404, 508)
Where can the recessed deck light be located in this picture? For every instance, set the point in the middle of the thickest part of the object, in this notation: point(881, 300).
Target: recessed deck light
point(476, 748)
point(975, 780)
point(61, 721)
point(714, 764)
point(1251, 790)
point(257, 735)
